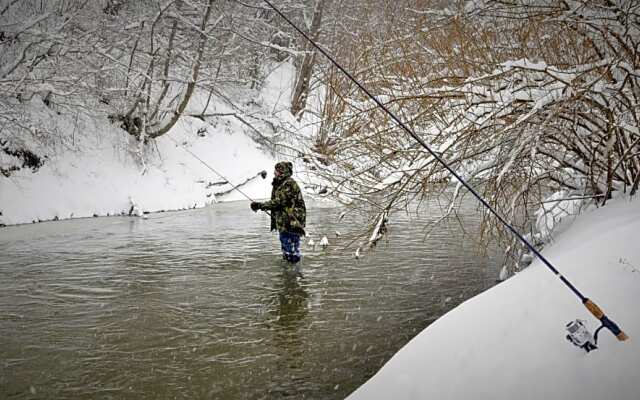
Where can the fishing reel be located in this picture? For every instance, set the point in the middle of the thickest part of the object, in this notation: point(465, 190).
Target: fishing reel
point(579, 335)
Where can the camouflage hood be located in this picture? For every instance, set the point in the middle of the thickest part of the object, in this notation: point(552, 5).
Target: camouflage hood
point(286, 169)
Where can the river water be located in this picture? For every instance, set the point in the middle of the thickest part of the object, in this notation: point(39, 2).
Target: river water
point(197, 304)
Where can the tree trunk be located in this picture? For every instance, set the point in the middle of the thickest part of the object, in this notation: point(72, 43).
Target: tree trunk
point(194, 77)
point(301, 89)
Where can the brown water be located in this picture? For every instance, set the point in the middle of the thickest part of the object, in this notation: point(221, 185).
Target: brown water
point(198, 305)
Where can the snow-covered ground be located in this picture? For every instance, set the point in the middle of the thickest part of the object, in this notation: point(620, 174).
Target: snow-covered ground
point(93, 168)
point(509, 342)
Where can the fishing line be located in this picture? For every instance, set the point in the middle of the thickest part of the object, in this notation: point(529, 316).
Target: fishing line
point(263, 173)
point(589, 304)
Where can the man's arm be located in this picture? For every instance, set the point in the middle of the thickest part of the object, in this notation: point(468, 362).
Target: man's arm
point(282, 198)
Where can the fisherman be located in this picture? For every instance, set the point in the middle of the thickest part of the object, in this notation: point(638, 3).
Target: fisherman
point(288, 211)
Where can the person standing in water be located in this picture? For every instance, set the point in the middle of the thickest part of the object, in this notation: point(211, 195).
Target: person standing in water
point(288, 211)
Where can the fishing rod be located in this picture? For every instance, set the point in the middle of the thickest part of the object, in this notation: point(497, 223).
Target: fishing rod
point(588, 303)
point(262, 173)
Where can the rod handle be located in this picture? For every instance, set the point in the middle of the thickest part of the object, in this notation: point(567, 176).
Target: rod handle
point(593, 308)
point(606, 322)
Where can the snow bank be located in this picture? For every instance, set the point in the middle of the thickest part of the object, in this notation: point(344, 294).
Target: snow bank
point(101, 177)
point(95, 171)
point(509, 342)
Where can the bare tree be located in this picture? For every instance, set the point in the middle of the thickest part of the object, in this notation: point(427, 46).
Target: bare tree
point(522, 98)
point(140, 62)
point(301, 87)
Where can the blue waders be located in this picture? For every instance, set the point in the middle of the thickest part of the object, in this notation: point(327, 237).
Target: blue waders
point(290, 243)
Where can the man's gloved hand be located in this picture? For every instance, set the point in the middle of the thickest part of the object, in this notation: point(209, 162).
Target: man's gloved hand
point(255, 206)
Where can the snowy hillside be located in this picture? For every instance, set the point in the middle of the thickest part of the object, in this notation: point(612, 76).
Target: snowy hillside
point(509, 342)
point(94, 170)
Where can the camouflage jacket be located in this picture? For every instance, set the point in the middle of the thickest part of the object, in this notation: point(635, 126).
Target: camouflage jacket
point(288, 211)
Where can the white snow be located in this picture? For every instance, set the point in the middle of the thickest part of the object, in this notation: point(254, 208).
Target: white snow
point(509, 342)
point(95, 171)
point(554, 209)
point(102, 177)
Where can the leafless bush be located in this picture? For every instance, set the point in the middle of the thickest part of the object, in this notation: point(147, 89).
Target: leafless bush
point(522, 98)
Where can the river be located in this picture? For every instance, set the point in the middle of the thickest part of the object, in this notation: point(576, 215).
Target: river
point(198, 305)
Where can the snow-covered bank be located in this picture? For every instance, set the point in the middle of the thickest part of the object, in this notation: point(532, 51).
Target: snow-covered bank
point(103, 177)
point(509, 342)
point(91, 166)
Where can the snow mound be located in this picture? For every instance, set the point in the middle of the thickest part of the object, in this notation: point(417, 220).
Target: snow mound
point(509, 342)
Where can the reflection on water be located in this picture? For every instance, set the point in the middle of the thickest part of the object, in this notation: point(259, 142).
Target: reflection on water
point(198, 304)
point(289, 312)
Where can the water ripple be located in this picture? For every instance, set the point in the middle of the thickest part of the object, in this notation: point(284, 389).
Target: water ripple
point(197, 304)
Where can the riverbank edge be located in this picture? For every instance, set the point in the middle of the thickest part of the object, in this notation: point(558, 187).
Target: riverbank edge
point(509, 341)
